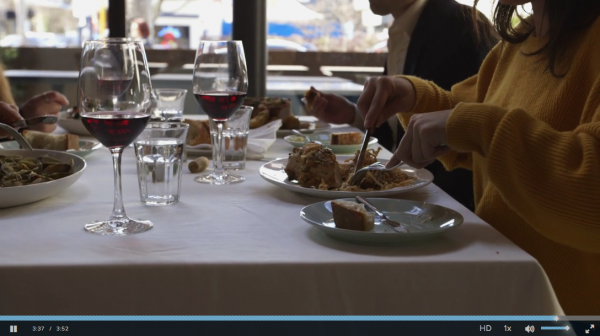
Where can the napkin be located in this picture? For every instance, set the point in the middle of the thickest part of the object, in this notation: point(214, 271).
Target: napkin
point(260, 139)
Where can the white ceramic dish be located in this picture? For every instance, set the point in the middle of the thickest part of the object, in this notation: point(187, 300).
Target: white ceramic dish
point(306, 127)
point(441, 220)
point(274, 173)
point(14, 196)
point(325, 138)
point(73, 126)
point(85, 147)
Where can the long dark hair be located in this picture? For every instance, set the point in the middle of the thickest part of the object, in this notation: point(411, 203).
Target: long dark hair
point(565, 17)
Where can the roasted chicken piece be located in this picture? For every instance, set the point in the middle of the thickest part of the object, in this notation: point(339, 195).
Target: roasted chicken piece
point(314, 165)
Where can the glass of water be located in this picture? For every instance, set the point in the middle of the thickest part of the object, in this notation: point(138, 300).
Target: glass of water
point(159, 152)
point(235, 139)
point(169, 104)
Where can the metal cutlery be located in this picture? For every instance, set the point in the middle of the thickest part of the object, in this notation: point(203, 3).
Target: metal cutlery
point(18, 137)
point(45, 119)
point(360, 174)
point(396, 226)
point(307, 139)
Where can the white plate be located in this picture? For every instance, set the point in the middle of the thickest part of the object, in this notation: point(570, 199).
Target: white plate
point(324, 138)
point(73, 126)
point(274, 173)
point(442, 219)
point(307, 127)
point(85, 147)
point(13, 196)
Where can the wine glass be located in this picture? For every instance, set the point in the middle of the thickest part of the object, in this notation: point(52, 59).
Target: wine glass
point(220, 82)
point(114, 99)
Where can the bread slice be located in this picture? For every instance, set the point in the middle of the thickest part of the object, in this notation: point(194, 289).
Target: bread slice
point(59, 142)
point(198, 132)
point(347, 138)
point(352, 216)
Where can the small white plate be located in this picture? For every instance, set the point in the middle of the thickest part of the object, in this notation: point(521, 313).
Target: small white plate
point(441, 220)
point(274, 172)
point(85, 147)
point(73, 126)
point(306, 127)
point(324, 138)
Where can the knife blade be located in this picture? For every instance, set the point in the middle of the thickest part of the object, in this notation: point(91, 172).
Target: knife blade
point(45, 119)
point(363, 150)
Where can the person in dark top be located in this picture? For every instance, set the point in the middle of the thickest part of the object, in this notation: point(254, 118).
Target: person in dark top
point(434, 40)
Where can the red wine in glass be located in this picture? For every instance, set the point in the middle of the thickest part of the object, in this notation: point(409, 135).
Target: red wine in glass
point(220, 105)
point(115, 129)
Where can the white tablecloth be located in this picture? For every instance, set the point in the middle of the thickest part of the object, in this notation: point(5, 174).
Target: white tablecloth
point(243, 249)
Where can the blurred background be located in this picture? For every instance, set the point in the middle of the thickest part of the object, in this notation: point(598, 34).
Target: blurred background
point(308, 41)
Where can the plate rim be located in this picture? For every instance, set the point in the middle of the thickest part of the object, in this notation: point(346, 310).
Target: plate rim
point(379, 234)
point(331, 194)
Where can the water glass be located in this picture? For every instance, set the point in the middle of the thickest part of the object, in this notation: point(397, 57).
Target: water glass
point(159, 152)
point(235, 139)
point(169, 104)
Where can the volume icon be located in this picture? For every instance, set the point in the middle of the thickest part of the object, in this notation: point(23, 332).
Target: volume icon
point(530, 329)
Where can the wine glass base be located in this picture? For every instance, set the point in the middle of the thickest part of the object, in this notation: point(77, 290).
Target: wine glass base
point(118, 227)
point(219, 180)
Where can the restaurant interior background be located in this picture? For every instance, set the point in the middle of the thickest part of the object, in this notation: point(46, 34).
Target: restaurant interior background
point(331, 44)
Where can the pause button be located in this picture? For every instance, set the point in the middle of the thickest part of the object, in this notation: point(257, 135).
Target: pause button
point(13, 328)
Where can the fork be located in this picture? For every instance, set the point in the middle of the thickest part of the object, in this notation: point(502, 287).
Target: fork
point(360, 174)
point(396, 226)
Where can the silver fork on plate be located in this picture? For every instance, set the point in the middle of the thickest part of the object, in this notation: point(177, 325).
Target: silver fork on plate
point(396, 226)
point(360, 174)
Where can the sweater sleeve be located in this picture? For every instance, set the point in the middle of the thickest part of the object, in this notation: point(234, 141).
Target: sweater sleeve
point(550, 178)
point(431, 98)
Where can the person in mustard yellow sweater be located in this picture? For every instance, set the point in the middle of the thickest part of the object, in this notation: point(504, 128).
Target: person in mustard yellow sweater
point(528, 125)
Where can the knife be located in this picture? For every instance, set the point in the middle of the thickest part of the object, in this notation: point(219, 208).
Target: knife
point(45, 119)
point(363, 150)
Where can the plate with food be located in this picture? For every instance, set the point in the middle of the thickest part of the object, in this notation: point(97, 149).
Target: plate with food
point(70, 121)
point(348, 221)
point(268, 109)
point(29, 176)
point(59, 142)
point(316, 171)
point(341, 142)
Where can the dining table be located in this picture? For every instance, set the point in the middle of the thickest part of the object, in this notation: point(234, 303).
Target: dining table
point(243, 249)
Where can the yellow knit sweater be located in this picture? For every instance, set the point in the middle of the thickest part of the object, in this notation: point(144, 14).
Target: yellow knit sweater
point(533, 143)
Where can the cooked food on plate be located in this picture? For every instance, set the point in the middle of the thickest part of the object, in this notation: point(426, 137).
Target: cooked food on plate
point(315, 166)
point(346, 138)
point(269, 109)
point(352, 216)
point(18, 171)
point(60, 142)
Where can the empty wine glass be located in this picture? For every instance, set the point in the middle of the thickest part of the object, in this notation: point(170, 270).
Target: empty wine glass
point(114, 101)
point(220, 82)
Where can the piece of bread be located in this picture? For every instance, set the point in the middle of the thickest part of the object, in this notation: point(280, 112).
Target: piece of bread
point(352, 216)
point(290, 122)
point(309, 97)
point(198, 132)
point(59, 142)
point(347, 138)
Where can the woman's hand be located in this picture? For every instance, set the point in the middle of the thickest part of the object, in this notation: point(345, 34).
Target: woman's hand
point(424, 140)
point(332, 109)
point(48, 103)
point(9, 114)
point(383, 97)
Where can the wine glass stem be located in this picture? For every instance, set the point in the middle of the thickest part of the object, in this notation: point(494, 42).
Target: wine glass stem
point(218, 139)
point(118, 209)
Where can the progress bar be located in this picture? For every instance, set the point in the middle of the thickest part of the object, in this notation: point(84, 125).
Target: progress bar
point(567, 328)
